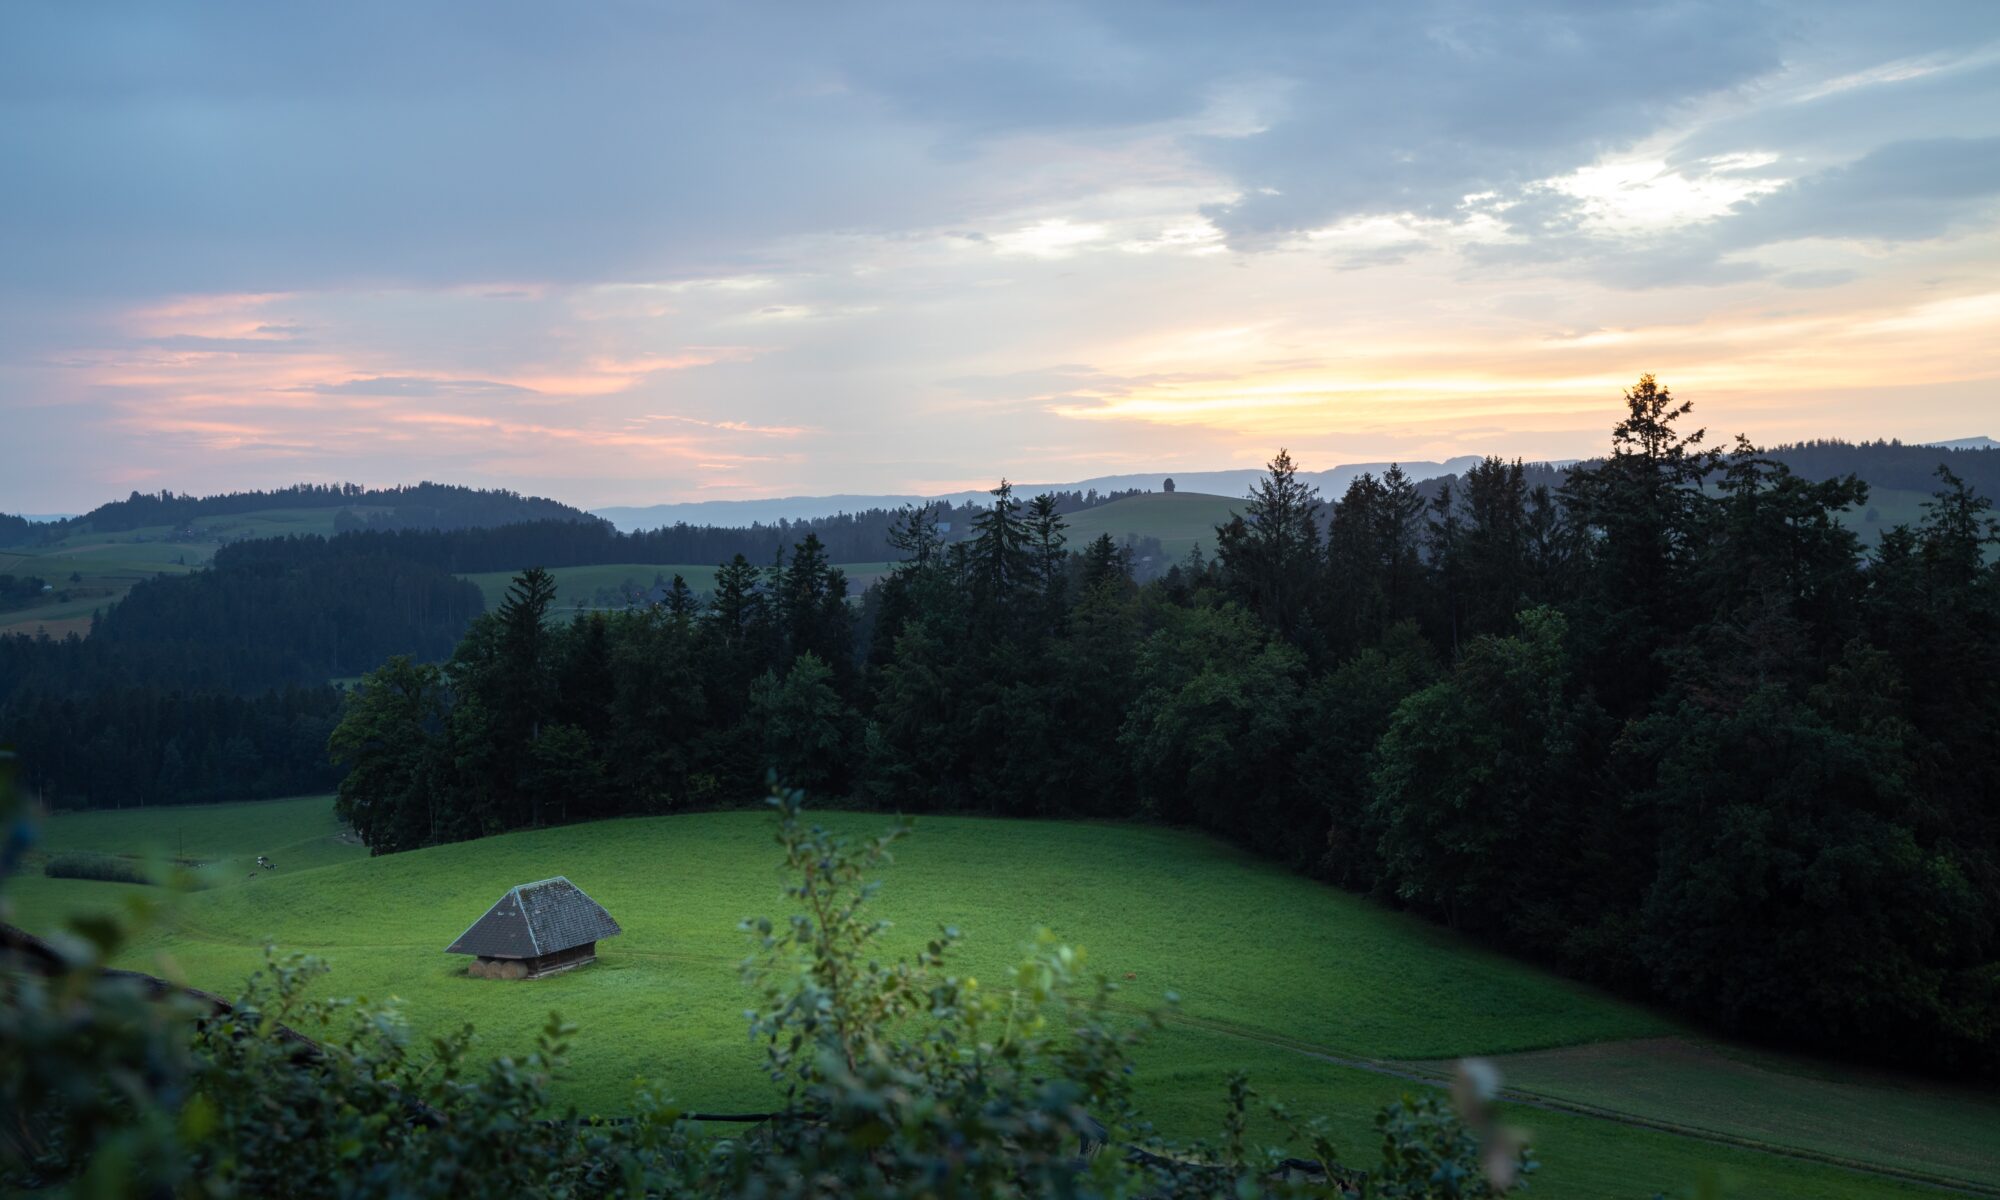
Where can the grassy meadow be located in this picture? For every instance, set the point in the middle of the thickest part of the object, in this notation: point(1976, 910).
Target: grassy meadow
point(1330, 1002)
point(104, 569)
point(1891, 507)
point(1181, 520)
point(108, 564)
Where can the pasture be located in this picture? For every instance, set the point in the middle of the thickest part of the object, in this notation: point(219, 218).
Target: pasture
point(92, 571)
point(1331, 1002)
point(1181, 520)
point(89, 576)
point(1890, 507)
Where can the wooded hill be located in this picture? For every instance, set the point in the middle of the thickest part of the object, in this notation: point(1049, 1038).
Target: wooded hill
point(1670, 728)
point(1668, 724)
point(417, 506)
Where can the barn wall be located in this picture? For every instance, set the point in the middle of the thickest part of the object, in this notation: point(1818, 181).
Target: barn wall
point(561, 959)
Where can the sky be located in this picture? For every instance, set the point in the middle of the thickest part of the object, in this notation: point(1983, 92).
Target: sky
point(629, 253)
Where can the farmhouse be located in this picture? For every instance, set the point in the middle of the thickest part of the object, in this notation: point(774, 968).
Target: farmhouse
point(536, 929)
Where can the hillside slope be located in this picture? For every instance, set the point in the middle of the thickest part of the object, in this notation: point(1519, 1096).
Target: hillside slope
point(1181, 520)
point(1310, 989)
point(92, 561)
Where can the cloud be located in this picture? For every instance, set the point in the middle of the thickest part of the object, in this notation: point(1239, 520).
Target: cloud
point(418, 385)
point(728, 426)
point(403, 241)
point(195, 149)
point(198, 344)
point(1904, 191)
point(1412, 113)
point(1829, 277)
point(1391, 254)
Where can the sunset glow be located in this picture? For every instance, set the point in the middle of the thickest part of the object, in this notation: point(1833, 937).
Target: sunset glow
point(1187, 266)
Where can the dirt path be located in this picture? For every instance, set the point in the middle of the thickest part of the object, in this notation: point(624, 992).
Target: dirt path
point(1440, 1076)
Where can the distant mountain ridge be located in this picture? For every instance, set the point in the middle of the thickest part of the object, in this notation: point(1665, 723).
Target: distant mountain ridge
point(1881, 463)
point(1232, 483)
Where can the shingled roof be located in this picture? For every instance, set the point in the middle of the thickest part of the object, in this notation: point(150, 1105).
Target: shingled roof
point(534, 919)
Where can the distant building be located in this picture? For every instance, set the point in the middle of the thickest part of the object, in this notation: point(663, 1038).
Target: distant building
point(536, 929)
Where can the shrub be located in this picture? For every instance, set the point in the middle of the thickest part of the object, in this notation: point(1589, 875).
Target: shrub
point(85, 865)
point(113, 868)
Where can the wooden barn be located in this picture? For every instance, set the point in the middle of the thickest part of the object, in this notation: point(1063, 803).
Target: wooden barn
point(536, 929)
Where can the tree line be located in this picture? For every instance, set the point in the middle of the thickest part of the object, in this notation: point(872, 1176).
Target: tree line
point(865, 536)
point(215, 685)
point(1664, 725)
point(190, 680)
point(18, 590)
point(1890, 464)
point(415, 506)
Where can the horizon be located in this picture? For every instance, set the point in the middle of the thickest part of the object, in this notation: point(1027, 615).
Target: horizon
point(1122, 480)
point(644, 255)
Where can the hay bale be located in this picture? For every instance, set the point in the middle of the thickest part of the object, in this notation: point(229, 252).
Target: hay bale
point(513, 969)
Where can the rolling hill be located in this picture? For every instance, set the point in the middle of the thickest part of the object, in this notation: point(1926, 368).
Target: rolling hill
point(1332, 1003)
point(1235, 482)
point(91, 561)
point(1181, 520)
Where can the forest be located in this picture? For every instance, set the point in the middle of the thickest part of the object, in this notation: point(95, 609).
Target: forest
point(190, 679)
point(19, 589)
point(201, 687)
point(417, 506)
point(866, 536)
point(1660, 720)
point(1666, 726)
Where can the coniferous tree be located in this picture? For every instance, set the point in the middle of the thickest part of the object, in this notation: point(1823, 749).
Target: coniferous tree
point(1001, 564)
point(1445, 552)
point(1643, 507)
point(1270, 555)
point(1046, 544)
point(1495, 548)
point(811, 596)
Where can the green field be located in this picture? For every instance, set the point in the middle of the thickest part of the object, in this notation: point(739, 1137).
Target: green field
point(1891, 508)
point(108, 564)
point(1181, 520)
point(1319, 994)
point(105, 570)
